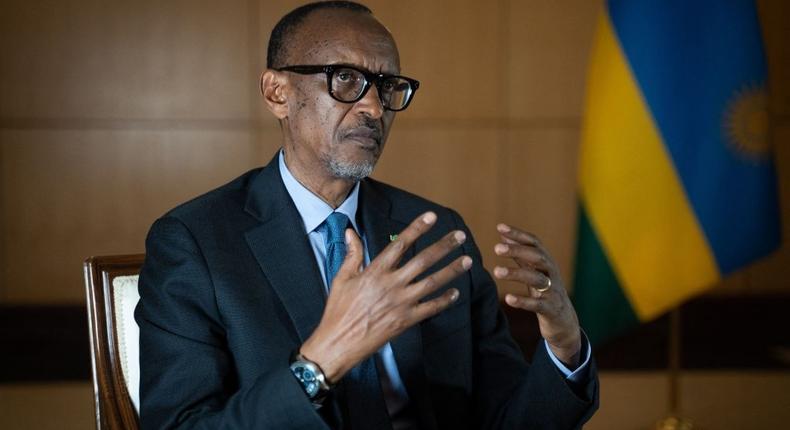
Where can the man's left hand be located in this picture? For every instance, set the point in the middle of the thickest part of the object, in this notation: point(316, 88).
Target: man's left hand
point(545, 292)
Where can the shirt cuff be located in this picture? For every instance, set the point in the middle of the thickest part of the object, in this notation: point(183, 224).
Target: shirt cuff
point(580, 374)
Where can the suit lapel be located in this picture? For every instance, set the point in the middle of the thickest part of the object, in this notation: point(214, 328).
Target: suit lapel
point(283, 251)
point(378, 224)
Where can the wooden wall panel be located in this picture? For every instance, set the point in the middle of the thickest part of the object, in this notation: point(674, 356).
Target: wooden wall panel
point(773, 272)
point(127, 59)
point(47, 406)
point(776, 33)
point(3, 245)
point(631, 400)
point(110, 114)
point(72, 194)
point(549, 44)
point(453, 49)
point(455, 166)
point(540, 191)
point(141, 75)
point(711, 400)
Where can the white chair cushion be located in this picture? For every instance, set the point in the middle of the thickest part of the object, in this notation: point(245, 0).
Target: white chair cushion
point(125, 296)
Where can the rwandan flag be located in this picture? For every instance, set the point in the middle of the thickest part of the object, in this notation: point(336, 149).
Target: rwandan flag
point(677, 182)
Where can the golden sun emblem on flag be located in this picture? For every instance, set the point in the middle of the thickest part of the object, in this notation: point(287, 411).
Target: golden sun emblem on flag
point(746, 124)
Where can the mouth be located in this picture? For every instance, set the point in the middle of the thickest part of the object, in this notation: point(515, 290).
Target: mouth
point(368, 138)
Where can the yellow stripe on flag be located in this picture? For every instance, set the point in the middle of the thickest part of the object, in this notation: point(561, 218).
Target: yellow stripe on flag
point(629, 186)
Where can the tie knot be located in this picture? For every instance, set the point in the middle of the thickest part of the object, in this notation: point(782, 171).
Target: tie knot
point(336, 224)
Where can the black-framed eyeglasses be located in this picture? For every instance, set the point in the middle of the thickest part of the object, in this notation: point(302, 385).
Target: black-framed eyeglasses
point(349, 84)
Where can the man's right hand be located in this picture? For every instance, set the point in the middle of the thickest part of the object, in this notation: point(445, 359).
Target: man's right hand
point(366, 308)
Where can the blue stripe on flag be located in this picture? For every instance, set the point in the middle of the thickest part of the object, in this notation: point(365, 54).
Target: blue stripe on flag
point(690, 59)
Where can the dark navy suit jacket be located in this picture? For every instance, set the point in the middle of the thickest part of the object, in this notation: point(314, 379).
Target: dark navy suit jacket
point(230, 288)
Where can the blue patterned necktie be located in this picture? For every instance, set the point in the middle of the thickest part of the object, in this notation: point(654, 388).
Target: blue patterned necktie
point(364, 397)
point(336, 224)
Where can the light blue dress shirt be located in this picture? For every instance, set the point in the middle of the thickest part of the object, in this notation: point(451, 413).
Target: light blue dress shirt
point(314, 211)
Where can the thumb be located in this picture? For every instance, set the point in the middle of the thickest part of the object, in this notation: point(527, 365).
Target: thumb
point(354, 255)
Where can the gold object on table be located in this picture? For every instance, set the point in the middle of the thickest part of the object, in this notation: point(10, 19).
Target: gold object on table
point(674, 423)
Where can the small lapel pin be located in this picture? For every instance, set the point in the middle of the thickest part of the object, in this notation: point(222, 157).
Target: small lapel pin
point(393, 237)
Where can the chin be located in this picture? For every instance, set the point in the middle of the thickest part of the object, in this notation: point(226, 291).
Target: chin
point(353, 159)
point(353, 170)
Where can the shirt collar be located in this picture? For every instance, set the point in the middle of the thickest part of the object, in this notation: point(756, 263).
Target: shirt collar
point(312, 209)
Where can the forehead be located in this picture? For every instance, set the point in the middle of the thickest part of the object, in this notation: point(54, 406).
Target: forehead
point(348, 37)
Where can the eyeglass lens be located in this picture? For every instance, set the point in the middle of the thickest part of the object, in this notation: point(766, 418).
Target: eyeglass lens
point(348, 85)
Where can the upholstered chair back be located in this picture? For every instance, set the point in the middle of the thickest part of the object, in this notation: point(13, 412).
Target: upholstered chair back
point(111, 287)
point(126, 296)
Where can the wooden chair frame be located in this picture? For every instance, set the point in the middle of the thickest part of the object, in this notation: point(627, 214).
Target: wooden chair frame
point(114, 408)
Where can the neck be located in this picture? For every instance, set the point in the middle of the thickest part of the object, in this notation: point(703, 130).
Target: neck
point(328, 188)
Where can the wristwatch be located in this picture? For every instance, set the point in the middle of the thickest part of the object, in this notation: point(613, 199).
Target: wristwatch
point(311, 377)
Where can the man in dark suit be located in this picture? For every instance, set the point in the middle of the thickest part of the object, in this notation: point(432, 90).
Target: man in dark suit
point(305, 295)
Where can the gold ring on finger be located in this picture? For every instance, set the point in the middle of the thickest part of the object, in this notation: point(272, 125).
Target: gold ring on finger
point(546, 288)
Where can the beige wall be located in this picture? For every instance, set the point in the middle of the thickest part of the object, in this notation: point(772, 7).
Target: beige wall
point(111, 113)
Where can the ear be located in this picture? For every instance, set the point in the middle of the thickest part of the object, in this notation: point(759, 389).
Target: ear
point(272, 85)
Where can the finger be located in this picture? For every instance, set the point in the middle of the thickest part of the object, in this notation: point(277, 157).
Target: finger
point(524, 275)
point(515, 236)
point(524, 256)
point(510, 241)
point(436, 280)
point(519, 236)
point(539, 245)
point(430, 255)
point(432, 307)
point(390, 256)
point(527, 303)
point(354, 256)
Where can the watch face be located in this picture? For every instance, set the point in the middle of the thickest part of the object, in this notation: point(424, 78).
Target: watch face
point(307, 378)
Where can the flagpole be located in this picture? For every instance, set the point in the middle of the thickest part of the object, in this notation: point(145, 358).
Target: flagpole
point(673, 420)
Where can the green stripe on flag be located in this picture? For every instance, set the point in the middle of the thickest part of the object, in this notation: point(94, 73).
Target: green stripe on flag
point(603, 309)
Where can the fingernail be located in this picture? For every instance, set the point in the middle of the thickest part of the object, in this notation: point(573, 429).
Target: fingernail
point(466, 262)
point(501, 248)
point(429, 218)
point(510, 299)
point(460, 236)
point(503, 228)
point(500, 271)
point(454, 295)
point(348, 237)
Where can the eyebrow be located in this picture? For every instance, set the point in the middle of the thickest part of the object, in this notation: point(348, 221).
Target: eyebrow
point(356, 66)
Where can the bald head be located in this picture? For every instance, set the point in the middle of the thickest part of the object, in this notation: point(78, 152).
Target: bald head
point(360, 37)
point(297, 30)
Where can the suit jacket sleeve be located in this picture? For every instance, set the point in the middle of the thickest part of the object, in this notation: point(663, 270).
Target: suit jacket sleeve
point(187, 371)
point(509, 393)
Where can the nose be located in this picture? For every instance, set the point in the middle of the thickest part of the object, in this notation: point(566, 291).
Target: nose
point(371, 104)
